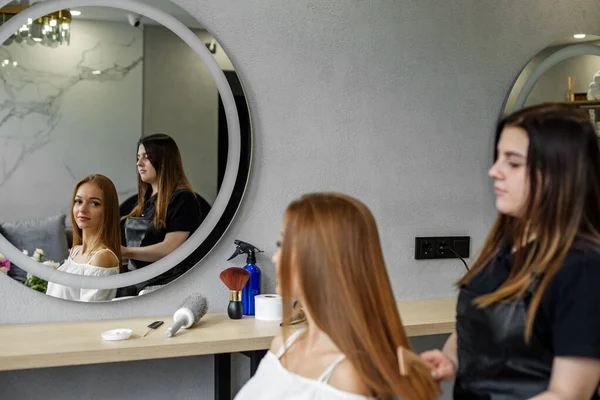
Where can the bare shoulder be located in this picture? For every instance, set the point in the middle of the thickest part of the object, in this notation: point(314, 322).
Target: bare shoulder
point(104, 259)
point(344, 377)
point(277, 343)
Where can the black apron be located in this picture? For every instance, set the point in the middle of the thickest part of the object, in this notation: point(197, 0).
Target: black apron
point(494, 360)
point(135, 230)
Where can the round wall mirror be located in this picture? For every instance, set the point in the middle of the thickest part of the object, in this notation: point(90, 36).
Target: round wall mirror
point(125, 146)
point(566, 71)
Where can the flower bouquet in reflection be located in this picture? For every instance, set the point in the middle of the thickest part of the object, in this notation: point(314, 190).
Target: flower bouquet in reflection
point(4, 264)
point(34, 282)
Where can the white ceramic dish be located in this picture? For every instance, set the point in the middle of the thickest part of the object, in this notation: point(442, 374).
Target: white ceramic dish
point(116, 334)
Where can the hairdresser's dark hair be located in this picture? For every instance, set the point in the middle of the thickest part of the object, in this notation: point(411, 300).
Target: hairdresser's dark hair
point(563, 164)
point(164, 155)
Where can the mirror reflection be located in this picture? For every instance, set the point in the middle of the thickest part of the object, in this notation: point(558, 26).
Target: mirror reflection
point(114, 131)
point(575, 80)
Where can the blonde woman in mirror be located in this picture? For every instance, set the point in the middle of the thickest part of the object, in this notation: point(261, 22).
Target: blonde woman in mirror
point(96, 247)
point(528, 313)
point(353, 344)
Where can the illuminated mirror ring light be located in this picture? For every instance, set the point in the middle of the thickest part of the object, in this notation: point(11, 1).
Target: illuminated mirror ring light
point(233, 157)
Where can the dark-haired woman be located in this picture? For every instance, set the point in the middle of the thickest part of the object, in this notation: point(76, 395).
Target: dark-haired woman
point(528, 314)
point(168, 210)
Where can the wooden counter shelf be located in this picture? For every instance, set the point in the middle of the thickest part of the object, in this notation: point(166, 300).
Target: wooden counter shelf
point(79, 343)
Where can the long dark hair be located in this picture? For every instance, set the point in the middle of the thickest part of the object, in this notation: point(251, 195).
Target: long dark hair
point(109, 231)
point(563, 164)
point(163, 153)
point(331, 249)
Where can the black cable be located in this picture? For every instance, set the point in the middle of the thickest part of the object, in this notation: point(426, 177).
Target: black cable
point(456, 254)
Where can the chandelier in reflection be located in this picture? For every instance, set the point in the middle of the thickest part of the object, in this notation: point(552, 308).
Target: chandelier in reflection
point(50, 30)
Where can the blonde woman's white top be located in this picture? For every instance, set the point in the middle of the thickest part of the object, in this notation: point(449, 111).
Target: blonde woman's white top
point(73, 267)
point(273, 382)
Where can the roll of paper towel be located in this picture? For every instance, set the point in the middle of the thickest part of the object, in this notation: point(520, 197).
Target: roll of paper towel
point(267, 307)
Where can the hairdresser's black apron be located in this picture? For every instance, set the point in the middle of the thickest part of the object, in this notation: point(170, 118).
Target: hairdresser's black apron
point(135, 231)
point(494, 361)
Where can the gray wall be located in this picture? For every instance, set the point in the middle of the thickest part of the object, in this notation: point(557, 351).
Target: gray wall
point(390, 101)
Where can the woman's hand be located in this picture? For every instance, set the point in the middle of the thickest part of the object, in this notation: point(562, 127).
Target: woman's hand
point(124, 252)
point(444, 368)
point(155, 252)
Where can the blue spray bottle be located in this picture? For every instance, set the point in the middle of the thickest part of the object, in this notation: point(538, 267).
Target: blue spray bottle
point(253, 286)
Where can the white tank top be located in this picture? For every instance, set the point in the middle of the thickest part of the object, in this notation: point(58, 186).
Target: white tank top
point(273, 382)
point(73, 267)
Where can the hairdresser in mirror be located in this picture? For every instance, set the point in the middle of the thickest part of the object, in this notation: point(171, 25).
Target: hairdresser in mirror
point(353, 345)
point(167, 212)
point(528, 314)
point(96, 238)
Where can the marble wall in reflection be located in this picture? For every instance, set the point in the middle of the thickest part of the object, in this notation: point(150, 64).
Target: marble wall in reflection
point(68, 112)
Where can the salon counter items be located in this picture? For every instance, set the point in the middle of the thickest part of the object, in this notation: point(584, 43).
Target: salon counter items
point(79, 343)
point(268, 307)
point(190, 313)
point(235, 279)
point(253, 287)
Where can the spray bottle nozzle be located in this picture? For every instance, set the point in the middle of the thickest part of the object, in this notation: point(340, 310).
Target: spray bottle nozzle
point(249, 249)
